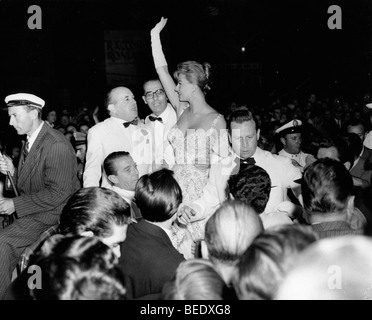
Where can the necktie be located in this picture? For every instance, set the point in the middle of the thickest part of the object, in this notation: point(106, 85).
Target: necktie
point(155, 118)
point(25, 150)
point(133, 122)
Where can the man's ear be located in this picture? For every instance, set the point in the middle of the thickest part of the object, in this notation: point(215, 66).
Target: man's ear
point(258, 134)
point(111, 108)
point(113, 179)
point(282, 140)
point(144, 100)
point(231, 196)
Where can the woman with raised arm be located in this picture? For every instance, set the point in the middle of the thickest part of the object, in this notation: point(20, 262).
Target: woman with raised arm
point(200, 130)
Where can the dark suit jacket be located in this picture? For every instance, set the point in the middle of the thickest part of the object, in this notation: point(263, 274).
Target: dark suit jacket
point(149, 259)
point(45, 181)
point(47, 178)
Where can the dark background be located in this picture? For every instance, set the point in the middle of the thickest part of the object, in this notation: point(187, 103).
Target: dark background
point(289, 40)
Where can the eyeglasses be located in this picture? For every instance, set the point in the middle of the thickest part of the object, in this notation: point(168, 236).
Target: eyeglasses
point(150, 95)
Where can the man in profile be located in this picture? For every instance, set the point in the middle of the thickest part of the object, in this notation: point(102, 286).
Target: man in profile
point(46, 177)
point(123, 131)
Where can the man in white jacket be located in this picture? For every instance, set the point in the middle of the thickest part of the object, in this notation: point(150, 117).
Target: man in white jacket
point(123, 131)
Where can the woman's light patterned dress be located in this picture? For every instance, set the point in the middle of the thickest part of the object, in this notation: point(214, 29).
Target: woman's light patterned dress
point(192, 154)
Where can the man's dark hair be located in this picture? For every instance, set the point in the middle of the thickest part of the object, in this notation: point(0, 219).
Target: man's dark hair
point(158, 195)
point(251, 185)
point(240, 116)
point(326, 186)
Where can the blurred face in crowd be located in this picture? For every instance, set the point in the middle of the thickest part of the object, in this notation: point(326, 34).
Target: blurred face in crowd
point(126, 173)
point(122, 104)
point(65, 120)
point(71, 129)
point(292, 143)
point(81, 151)
point(330, 152)
point(84, 128)
point(22, 119)
point(52, 116)
point(154, 96)
point(243, 138)
point(359, 130)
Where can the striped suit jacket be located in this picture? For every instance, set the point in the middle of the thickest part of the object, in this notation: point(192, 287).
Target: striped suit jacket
point(45, 181)
point(47, 178)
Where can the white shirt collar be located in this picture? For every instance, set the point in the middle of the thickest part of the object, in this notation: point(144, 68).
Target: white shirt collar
point(164, 115)
point(125, 194)
point(31, 139)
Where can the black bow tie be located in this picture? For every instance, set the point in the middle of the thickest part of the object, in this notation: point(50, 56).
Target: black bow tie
point(242, 163)
point(155, 118)
point(247, 161)
point(134, 122)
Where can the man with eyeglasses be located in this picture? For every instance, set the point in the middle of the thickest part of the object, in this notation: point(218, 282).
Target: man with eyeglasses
point(123, 131)
point(159, 122)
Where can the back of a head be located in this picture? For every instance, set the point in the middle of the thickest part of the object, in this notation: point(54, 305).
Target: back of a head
point(77, 268)
point(251, 185)
point(94, 209)
point(331, 269)
point(195, 279)
point(268, 259)
point(158, 195)
point(230, 230)
point(326, 187)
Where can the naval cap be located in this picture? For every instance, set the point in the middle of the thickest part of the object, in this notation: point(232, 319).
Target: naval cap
point(293, 126)
point(24, 99)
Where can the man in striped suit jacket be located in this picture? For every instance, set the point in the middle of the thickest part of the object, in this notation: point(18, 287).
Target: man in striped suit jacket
point(45, 179)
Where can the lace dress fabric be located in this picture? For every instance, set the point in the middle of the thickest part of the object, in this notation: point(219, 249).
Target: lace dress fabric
point(192, 154)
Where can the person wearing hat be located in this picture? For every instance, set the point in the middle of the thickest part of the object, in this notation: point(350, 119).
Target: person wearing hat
point(122, 131)
point(44, 180)
point(290, 137)
point(79, 141)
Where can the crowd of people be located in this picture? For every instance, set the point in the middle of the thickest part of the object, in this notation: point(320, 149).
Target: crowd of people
point(188, 203)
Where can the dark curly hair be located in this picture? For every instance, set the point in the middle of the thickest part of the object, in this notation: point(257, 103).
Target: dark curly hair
point(252, 185)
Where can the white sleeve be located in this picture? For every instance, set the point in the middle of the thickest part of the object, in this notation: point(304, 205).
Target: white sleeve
point(368, 140)
point(94, 160)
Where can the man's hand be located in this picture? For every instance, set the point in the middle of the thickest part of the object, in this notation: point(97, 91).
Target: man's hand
point(159, 26)
point(6, 164)
point(7, 206)
point(185, 214)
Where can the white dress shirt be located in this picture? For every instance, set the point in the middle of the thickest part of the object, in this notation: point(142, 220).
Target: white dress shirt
point(299, 157)
point(280, 169)
point(162, 149)
point(31, 139)
point(110, 136)
point(127, 195)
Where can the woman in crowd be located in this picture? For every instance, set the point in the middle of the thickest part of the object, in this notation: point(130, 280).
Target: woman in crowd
point(199, 131)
